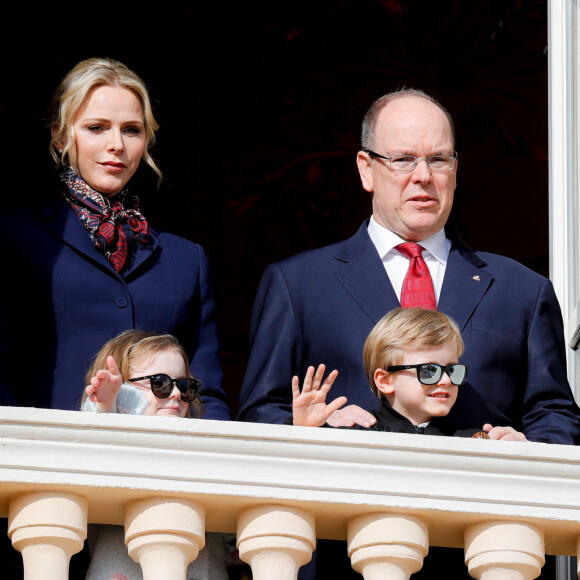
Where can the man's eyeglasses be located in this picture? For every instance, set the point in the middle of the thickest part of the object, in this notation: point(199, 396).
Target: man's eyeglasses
point(406, 163)
point(431, 373)
point(162, 386)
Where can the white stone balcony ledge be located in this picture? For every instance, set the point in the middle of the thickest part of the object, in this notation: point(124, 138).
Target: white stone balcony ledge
point(279, 487)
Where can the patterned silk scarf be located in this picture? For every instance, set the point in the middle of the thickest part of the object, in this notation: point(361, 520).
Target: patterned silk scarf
point(104, 219)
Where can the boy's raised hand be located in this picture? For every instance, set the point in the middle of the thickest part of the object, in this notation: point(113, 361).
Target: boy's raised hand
point(104, 387)
point(309, 407)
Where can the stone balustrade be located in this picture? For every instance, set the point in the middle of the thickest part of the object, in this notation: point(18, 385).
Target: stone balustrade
point(279, 487)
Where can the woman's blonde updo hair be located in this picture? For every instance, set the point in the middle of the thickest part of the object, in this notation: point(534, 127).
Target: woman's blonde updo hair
point(73, 91)
point(134, 346)
point(403, 329)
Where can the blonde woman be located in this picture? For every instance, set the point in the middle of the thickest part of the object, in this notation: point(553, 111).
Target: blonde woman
point(93, 261)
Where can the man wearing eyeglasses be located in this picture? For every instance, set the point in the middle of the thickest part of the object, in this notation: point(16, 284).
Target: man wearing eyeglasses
point(319, 306)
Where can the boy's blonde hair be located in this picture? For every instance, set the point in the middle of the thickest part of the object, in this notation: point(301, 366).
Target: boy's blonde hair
point(406, 328)
point(132, 346)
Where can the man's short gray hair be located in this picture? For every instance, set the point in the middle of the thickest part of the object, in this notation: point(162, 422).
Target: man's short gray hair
point(370, 119)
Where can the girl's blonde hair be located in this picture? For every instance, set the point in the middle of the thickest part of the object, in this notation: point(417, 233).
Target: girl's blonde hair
point(73, 91)
point(403, 329)
point(133, 346)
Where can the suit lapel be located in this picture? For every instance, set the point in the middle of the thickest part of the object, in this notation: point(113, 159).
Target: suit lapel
point(464, 285)
point(143, 255)
point(359, 268)
point(63, 223)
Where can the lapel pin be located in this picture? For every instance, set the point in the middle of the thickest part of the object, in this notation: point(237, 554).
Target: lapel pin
point(477, 278)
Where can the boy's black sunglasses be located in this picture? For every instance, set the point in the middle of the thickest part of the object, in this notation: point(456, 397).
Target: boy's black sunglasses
point(431, 373)
point(162, 386)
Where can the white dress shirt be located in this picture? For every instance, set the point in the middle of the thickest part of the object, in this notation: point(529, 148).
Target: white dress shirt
point(435, 255)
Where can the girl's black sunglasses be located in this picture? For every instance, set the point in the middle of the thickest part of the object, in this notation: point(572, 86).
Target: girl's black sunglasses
point(162, 386)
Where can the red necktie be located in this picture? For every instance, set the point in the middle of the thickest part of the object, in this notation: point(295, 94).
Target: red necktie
point(418, 287)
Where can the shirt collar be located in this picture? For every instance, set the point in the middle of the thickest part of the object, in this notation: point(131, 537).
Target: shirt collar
point(385, 241)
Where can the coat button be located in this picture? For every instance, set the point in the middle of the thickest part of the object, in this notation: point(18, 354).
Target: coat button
point(121, 302)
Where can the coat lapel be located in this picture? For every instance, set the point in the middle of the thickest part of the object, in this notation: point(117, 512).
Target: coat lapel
point(359, 268)
point(63, 223)
point(144, 255)
point(464, 285)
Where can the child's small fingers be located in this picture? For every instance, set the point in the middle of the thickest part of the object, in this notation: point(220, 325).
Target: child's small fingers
point(329, 381)
point(335, 405)
point(295, 386)
point(319, 374)
point(112, 365)
point(308, 379)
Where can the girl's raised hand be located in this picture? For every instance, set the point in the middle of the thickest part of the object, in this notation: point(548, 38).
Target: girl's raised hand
point(104, 386)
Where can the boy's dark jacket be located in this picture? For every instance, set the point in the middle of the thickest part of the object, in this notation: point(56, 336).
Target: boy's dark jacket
point(390, 420)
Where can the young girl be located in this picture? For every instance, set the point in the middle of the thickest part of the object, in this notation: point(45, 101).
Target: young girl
point(145, 373)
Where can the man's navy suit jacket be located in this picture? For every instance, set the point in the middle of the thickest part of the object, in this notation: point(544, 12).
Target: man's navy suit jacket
point(319, 306)
point(61, 300)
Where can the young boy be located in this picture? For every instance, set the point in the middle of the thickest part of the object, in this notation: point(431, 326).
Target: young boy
point(411, 358)
point(412, 364)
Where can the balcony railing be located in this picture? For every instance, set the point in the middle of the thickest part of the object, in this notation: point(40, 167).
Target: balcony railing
point(278, 488)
